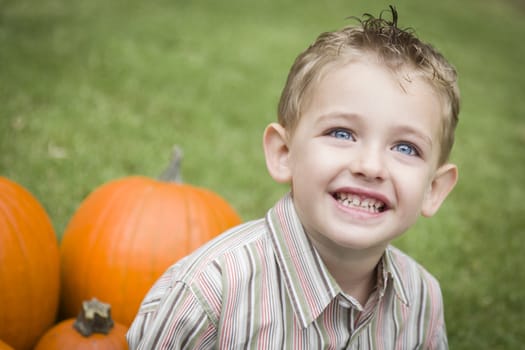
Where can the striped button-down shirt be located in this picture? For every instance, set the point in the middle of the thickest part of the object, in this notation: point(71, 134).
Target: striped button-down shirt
point(262, 285)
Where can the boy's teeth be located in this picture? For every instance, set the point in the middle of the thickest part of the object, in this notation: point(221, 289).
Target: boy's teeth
point(370, 204)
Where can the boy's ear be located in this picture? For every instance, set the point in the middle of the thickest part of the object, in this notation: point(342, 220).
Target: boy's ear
point(276, 151)
point(444, 181)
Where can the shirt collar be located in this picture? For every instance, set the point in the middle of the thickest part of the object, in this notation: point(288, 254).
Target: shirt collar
point(392, 271)
point(309, 284)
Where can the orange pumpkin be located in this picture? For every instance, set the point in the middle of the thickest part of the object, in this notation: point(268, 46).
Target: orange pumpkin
point(128, 232)
point(92, 329)
point(29, 267)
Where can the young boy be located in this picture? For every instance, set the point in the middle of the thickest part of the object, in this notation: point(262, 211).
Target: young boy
point(366, 125)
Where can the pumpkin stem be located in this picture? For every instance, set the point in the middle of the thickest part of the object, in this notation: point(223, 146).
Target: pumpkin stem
point(172, 172)
point(94, 317)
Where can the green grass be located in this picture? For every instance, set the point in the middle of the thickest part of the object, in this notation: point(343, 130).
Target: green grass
point(95, 90)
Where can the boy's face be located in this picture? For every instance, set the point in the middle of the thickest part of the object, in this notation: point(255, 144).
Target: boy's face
point(363, 160)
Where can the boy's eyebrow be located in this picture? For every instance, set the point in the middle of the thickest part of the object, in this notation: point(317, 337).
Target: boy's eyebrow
point(407, 129)
point(339, 115)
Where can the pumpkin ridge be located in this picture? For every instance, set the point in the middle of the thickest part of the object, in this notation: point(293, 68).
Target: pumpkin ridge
point(126, 238)
point(193, 229)
point(156, 244)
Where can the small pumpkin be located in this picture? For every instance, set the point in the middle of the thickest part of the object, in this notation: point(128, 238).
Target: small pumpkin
point(29, 267)
point(127, 232)
point(92, 329)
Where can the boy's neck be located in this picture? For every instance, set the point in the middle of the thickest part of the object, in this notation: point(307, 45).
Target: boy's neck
point(356, 275)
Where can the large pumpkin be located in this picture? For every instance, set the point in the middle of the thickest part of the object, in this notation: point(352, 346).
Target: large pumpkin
point(29, 267)
point(93, 329)
point(127, 233)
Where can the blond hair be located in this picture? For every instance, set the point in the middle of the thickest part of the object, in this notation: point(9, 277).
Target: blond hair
point(394, 47)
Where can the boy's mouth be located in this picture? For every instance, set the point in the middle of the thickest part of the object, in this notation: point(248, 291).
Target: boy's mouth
point(349, 200)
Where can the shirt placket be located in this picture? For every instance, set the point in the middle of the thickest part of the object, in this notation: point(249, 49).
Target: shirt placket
point(362, 320)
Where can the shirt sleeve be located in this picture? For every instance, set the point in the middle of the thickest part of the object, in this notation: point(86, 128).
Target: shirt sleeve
point(171, 317)
point(438, 334)
point(439, 340)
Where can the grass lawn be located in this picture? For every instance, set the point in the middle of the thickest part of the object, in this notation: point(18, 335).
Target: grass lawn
point(96, 90)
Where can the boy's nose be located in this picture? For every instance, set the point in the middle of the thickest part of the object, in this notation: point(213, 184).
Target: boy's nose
point(369, 164)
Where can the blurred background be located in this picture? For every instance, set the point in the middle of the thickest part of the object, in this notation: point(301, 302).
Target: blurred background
point(92, 91)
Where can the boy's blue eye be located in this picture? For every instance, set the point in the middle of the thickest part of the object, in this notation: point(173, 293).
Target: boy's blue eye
point(342, 134)
point(407, 149)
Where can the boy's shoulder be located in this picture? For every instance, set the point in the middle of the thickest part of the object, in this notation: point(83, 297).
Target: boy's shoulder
point(230, 243)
